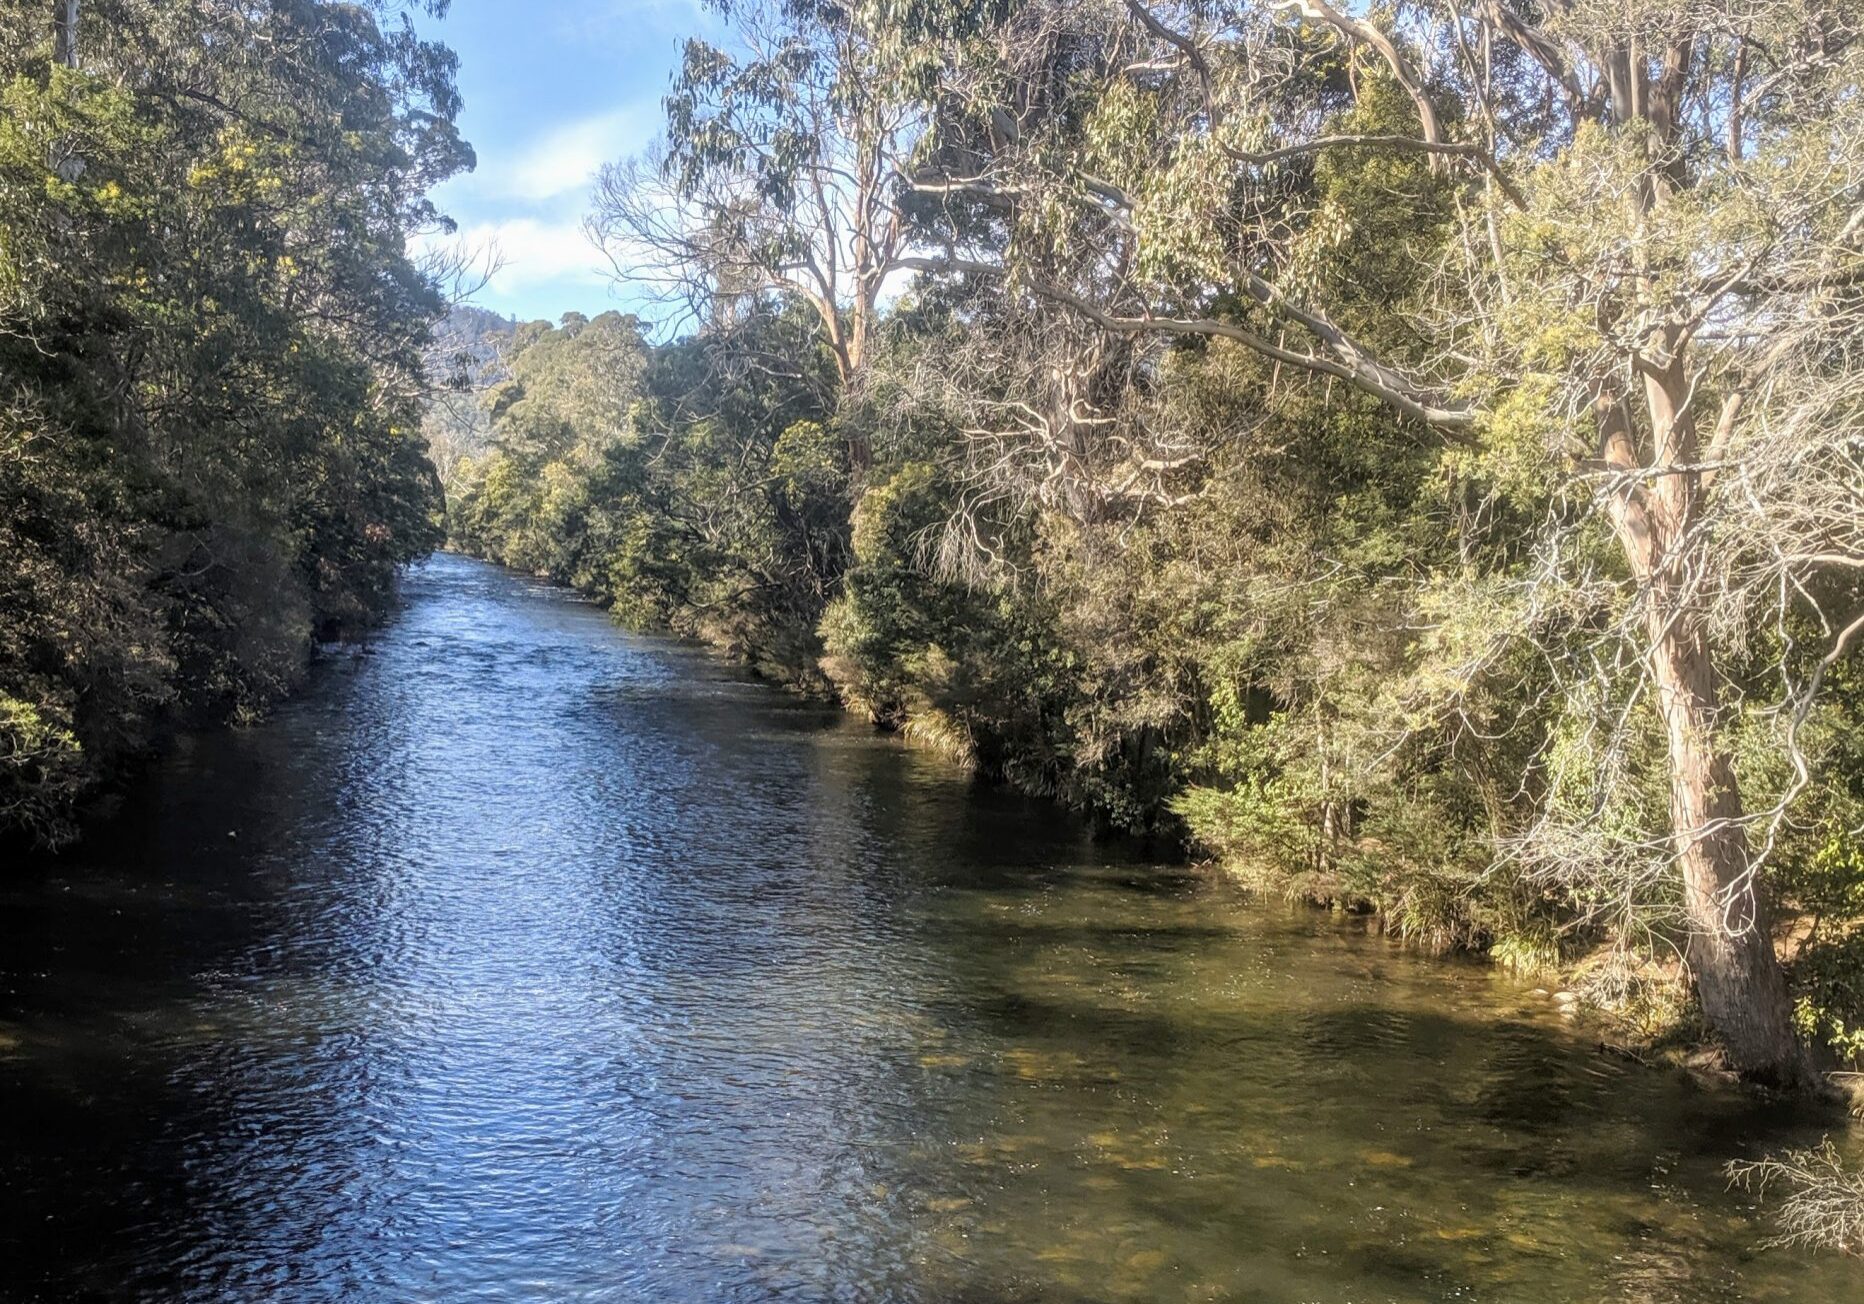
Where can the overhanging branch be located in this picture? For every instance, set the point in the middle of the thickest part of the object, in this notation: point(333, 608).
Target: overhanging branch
point(1351, 363)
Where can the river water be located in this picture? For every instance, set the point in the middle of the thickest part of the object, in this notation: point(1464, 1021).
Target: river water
point(523, 959)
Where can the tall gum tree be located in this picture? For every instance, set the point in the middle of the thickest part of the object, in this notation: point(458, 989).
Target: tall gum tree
point(781, 171)
point(1652, 296)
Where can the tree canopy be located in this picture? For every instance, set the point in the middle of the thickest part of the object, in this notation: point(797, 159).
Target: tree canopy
point(211, 360)
point(1412, 450)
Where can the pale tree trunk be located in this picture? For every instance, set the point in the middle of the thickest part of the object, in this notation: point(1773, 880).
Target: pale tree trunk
point(1730, 952)
point(1738, 978)
point(65, 32)
point(1731, 957)
point(852, 365)
point(846, 347)
point(1331, 830)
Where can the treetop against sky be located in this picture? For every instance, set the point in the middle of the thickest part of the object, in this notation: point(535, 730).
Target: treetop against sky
point(552, 93)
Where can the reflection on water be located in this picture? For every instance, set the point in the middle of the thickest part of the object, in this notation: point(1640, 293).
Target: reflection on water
point(527, 960)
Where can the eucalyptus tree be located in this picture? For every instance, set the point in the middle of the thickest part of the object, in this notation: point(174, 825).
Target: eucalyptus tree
point(1642, 322)
point(780, 172)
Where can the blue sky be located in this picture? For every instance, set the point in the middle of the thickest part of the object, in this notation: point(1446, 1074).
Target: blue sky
point(552, 91)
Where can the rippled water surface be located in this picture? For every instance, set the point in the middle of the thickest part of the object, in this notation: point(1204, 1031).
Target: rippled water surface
point(525, 960)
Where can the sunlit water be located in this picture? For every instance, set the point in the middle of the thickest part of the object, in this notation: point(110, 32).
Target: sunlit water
point(526, 960)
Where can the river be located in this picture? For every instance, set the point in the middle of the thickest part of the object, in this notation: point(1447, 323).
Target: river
point(524, 959)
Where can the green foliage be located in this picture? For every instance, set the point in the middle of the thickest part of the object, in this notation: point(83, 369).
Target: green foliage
point(697, 486)
point(1260, 825)
point(210, 370)
point(1828, 977)
point(1826, 883)
point(978, 669)
point(1205, 579)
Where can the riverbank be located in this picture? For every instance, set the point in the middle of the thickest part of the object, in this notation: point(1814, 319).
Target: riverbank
point(88, 774)
point(1635, 1008)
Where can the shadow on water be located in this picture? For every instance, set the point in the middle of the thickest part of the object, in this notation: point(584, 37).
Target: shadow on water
point(524, 959)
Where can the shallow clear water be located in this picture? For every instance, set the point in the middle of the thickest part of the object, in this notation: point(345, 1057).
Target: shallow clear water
point(526, 960)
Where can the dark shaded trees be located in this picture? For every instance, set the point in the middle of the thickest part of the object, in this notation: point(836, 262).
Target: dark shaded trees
point(211, 351)
point(696, 486)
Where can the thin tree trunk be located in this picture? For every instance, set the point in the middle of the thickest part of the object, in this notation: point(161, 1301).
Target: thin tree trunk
point(1738, 977)
point(846, 350)
point(65, 32)
point(1731, 956)
point(860, 448)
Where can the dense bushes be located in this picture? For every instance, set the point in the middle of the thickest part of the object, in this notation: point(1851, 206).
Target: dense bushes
point(692, 486)
point(1285, 448)
point(1257, 666)
point(210, 342)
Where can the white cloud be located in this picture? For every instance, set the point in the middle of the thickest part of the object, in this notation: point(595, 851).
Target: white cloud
point(562, 160)
point(521, 211)
point(621, 23)
point(569, 157)
point(527, 252)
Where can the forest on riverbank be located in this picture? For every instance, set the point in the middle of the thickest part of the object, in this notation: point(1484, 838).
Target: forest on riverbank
point(1413, 453)
point(211, 362)
point(1410, 452)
